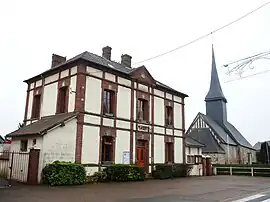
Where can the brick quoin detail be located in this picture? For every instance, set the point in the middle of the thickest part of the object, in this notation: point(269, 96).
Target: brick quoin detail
point(79, 107)
point(183, 132)
point(27, 103)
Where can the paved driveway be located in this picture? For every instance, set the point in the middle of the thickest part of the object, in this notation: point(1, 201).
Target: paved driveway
point(215, 188)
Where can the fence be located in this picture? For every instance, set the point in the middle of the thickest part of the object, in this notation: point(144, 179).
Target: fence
point(19, 167)
point(261, 170)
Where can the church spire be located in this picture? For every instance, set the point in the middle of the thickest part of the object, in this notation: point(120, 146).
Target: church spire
point(215, 100)
point(215, 91)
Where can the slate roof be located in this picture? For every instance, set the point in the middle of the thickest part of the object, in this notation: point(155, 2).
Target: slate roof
point(257, 146)
point(41, 126)
point(237, 135)
point(215, 91)
point(204, 136)
point(91, 57)
point(218, 130)
point(193, 143)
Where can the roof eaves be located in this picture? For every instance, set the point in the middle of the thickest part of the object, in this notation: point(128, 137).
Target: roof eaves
point(56, 68)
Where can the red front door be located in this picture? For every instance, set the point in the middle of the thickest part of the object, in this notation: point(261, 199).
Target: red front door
point(140, 156)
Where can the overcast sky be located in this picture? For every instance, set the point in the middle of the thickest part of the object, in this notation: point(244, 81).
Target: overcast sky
point(32, 30)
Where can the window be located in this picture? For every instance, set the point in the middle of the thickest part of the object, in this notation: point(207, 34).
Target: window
point(142, 110)
point(169, 151)
point(108, 105)
point(34, 142)
point(198, 159)
point(36, 106)
point(190, 159)
point(107, 148)
point(62, 100)
point(23, 145)
point(169, 116)
point(189, 150)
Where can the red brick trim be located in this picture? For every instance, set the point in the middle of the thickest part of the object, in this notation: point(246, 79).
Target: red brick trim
point(142, 136)
point(26, 104)
point(108, 131)
point(79, 106)
point(33, 164)
point(106, 85)
point(63, 83)
point(183, 133)
point(169, 138)
point(37, 91)
point(145, 137)
point(131, 147)
point(96, 77)
point(152, 128)
point(101, 123)
point(168, 103)
point(143, 95)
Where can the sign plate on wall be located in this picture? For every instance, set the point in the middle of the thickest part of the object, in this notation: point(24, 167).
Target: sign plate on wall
point(143, 128)
point(126, 157)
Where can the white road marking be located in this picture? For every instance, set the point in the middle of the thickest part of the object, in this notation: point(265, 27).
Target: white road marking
point(250, 198)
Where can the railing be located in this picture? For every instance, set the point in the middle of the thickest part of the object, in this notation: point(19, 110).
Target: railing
point(242, 170)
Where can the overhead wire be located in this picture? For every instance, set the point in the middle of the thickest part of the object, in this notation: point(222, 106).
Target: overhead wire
point(203, 36)
point(243, 77)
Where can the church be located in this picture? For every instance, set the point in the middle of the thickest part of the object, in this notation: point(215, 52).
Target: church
point(223, 142)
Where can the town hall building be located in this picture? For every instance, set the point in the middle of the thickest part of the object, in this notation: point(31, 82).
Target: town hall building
point(95, 111)
point(223, 142)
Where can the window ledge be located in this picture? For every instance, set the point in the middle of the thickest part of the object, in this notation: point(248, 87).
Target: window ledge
point(169, 126)
point(108, 114)
point(143, 121)
point(106, 163)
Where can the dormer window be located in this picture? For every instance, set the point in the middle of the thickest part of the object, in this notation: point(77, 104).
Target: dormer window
point(143, 110)
point(108, 102)
point(36, 106)
point(62, 100)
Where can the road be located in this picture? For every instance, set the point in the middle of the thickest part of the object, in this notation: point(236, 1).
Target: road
point(194, 189)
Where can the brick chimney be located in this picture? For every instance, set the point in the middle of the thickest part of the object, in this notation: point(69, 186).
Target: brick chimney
point(106, 52)
point(57, 59)
point(126, 60)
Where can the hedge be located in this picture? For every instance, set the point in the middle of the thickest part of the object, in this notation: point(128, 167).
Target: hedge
point(121, 172)
point(118, 173)
point(63, 173)
point(167, 171)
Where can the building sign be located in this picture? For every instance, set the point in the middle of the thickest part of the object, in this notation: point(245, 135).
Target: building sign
point(126, 157)
point(143, 128)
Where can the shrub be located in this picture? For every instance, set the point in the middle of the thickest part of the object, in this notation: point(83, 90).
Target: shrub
point(63, 173)
point(167, 171)
point(122, 172)
point(163, 171)
point(99, 176)
point(181, 170)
